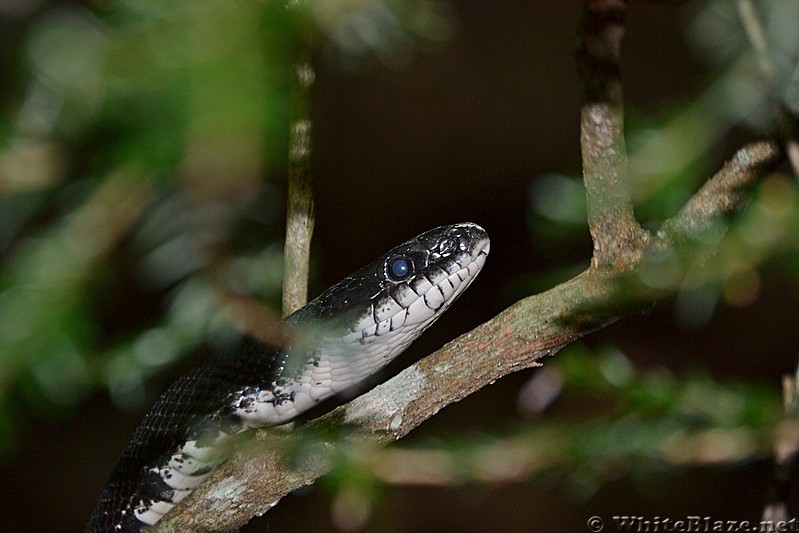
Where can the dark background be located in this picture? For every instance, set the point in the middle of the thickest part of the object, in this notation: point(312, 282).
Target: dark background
point(460, 134)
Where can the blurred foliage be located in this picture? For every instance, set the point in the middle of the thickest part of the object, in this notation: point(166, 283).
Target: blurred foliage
point(639, 423)
point(141, 164)
point(135, 162)
point(142, 161)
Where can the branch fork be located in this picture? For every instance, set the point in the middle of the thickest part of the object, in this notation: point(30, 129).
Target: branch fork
point(535, 327)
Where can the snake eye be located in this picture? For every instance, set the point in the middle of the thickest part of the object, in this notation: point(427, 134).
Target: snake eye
point(399, 268)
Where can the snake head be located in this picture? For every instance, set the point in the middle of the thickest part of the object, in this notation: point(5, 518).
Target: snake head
point(392, 300)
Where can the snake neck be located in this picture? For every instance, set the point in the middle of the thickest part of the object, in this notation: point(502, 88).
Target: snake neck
point(347, 334)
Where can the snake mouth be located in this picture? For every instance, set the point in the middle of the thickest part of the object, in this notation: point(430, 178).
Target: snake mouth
point(481, 250)
point(406, 309)
point(448, 259)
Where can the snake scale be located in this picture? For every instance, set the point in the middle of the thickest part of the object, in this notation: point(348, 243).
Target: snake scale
point(349, 332)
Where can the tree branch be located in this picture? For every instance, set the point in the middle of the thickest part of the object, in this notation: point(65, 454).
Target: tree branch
point(786, 122)
point(615, 231)
point(253, 481)
point(786, 453)
point(537, 326)
point(299, 208)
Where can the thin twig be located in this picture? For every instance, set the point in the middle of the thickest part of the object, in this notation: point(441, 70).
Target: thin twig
point(786, 449)
point(757, 39)
point(756, 36)
point(787, 439)
point(299, 209)
point(722, 195)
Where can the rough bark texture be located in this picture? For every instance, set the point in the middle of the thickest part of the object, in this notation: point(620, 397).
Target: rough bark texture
point(537, 326)
point(617, 236)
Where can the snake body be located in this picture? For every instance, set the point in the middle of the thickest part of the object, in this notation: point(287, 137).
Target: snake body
point(349, 332)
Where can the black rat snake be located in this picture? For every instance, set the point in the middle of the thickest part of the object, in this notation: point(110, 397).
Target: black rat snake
point(351, 330)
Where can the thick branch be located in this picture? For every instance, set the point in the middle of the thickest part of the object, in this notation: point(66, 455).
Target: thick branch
point(516, 339)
